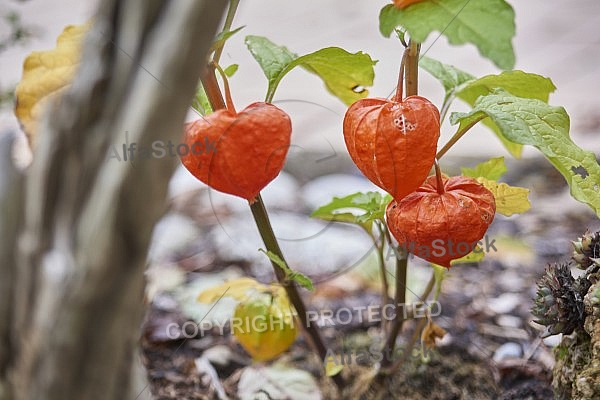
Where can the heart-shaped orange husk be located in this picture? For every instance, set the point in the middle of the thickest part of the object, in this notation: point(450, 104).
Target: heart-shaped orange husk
point(250, 148)
point(393, 143)
point(442, 227)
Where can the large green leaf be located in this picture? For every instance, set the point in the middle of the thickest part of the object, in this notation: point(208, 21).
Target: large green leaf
point(488, 24)
point(345, 74)
point(463, 85)
point(534, 122)
point(518, 83)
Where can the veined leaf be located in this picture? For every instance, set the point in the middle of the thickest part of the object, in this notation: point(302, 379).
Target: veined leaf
point(458, 83)
point(488, 24)
point(449, 76)
point(345, 74)
point(533, 122)
point(509, 199)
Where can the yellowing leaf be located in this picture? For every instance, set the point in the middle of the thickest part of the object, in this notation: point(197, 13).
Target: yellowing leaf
point(332, 367)
point(45, 75)
point(509, 199)
point(242, 289)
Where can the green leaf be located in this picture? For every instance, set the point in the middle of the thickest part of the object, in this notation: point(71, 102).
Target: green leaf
point(518, 83)
point(345, 74)
point(463, 85)
point(201, 102)
point(371, 205)
point(222, 37)
point(488, 24)
point(491, 169)
point(477, 255)
point(232, 69)
point(290, 275)
point(534, 122)
point(272, 59)
point(449, 76)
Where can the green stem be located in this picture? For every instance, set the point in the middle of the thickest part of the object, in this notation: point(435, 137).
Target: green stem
point(382, 269)
point(233, 5)
point(428, 288)
point(460, 133)
point(399, 300)
point(261, 218)
point(446, 106)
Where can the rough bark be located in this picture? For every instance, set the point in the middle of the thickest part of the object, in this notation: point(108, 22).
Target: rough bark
point(75, 284)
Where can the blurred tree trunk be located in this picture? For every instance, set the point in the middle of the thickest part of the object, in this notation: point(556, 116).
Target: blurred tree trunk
point(75, 228)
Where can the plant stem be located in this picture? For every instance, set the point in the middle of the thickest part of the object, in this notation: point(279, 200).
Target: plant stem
point(383, 270)
point(412, 68)
point(438, 177)
point(233, 5)
point(446, 106)
point(228, 98)
point(261, 218)
point(400, 85)
point(398, 321)
point(211, 87)
point(460, 133)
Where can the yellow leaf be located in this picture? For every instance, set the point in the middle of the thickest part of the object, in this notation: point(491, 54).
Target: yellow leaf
point(509, 199)
point(241, 289)
point(45, 75)
point(237, 289)
point(332, 367)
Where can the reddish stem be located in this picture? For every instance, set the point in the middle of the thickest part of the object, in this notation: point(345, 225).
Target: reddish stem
point(228, 99)
point(438, 175)
point(400, 86)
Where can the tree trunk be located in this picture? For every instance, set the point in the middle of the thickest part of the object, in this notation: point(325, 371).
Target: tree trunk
point(72, 279)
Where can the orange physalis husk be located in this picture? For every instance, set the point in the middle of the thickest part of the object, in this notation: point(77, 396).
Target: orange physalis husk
point(441, 227)
point(393, 142)
point(249, 148)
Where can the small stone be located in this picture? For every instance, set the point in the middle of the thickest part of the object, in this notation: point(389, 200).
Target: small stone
point(553, 341)
point(509, 321)
point(508, 350)
point(504, 303)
